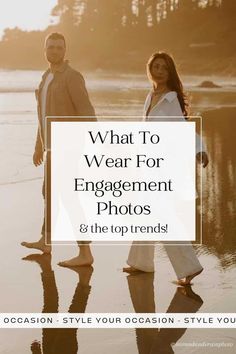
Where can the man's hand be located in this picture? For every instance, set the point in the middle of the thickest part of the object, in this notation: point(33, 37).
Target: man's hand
point(202, 158)
point(38, 157)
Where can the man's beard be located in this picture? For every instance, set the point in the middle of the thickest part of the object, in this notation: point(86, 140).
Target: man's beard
point(55, 61)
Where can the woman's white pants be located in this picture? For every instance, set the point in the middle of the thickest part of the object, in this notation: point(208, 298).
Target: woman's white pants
point(182, 257)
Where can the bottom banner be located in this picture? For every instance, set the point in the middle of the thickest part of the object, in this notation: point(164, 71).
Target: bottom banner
point(117, 320)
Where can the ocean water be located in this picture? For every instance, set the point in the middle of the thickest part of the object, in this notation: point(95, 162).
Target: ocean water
point(111, 93)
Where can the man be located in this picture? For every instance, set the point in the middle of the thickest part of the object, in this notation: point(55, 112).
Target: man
point(62, 92)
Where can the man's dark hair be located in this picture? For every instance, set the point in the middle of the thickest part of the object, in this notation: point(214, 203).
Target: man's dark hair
point(55, 36)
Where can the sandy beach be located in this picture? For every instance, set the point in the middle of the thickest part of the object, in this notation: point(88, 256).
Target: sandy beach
point(26, 284)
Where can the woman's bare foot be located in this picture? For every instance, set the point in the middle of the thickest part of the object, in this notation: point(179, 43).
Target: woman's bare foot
point(187, 280)
point(38, 245)
point(132, 270)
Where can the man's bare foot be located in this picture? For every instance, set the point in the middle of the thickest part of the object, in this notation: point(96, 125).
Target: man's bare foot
point(132, 270)
point(187, 280)
point(38, 245)
point(79, 261)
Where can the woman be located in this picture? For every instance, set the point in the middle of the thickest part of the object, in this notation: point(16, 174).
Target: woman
point(166, 99)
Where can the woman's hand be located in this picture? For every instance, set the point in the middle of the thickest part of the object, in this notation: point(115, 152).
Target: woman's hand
point(202, 157)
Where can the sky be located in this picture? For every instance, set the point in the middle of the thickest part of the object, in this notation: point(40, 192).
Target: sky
point(25, 14)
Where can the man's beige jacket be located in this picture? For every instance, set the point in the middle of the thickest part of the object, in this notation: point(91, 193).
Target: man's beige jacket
point(66, 96)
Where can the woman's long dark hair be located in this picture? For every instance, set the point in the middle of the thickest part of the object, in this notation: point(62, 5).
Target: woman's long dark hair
point(174, 83)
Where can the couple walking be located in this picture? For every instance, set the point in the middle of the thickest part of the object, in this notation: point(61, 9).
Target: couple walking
point(62, 92)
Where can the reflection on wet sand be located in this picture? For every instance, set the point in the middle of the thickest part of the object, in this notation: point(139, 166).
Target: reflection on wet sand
point(219, 194)
point(152, 340)
point(60, 340)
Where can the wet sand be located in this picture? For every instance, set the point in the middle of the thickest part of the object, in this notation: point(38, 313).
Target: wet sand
point(37, 285)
